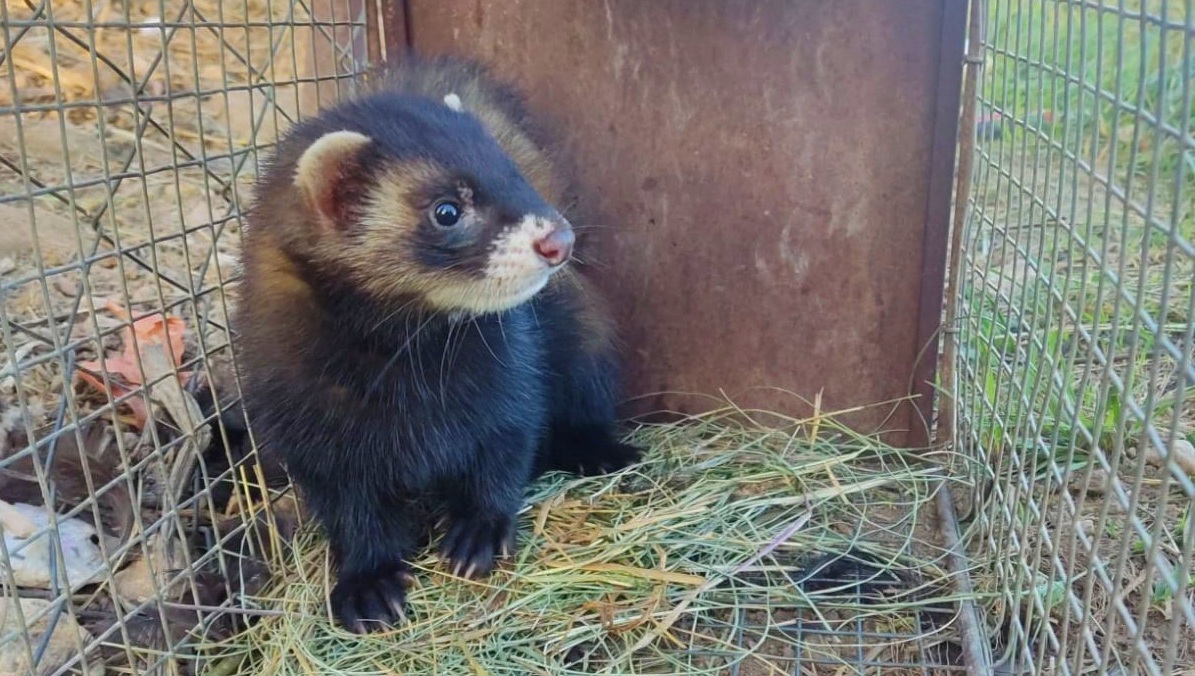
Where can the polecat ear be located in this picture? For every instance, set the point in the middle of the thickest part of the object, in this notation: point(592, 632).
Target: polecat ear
point(326, 173)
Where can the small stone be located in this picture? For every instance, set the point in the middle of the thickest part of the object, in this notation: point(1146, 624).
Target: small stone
point(60, 646)
point(7, 265)
point(137, 583)
point(1182, 453)
point(1097, 483)
point(66, 287)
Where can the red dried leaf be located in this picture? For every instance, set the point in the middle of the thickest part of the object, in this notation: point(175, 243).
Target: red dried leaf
point(123, 371)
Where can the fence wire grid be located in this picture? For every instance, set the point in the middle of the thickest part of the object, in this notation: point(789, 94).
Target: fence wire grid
point(1074, 387)
point(129, 134)
point(138, 530)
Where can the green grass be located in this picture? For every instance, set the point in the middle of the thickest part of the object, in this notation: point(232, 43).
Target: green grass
point(1066, 268)
point(1077, 286)
point(1124, 62)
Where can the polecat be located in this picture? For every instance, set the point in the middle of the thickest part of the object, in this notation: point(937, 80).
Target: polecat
point(411, 341)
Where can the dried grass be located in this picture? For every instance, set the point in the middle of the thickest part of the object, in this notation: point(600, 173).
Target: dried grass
point(692, 562)
point(127, 49)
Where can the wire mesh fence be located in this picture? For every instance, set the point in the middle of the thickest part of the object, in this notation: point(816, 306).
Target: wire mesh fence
point(1075, 372)
point(139, 532)
point(129, 134)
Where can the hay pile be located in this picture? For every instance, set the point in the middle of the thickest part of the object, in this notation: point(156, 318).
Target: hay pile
point(725, 547)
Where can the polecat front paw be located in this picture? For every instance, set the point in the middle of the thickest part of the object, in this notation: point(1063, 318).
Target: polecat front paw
point(588, 451)
point(473, 543)
point(371, 602)
point(606, 458)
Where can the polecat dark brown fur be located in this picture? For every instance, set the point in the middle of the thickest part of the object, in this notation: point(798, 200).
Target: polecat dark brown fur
point(410, 340)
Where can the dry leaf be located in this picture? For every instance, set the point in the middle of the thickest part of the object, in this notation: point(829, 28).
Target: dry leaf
point(18, 480)
point(144, 628)
point(146, 577)
point(289, 515)
point(29, 550)
point(146, 333)
point(60, 649)
point(144, 631)
point(184, 411)
point(154, 329)
point(136, 583)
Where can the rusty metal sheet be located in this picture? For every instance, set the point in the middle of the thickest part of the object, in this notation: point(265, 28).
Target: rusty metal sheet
point(768, 177)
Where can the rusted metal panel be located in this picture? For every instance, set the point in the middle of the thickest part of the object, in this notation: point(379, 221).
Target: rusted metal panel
point(765, 180)
point(375, 31)
point(938, 214)
point(395, 29)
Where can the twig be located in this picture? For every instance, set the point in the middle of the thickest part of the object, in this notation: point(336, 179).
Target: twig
point(258, 612)
point(680, 608)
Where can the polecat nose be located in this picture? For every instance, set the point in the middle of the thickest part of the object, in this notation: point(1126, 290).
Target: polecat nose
point(556, 246)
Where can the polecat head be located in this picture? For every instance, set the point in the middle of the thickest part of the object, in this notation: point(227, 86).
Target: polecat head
point(415, 199)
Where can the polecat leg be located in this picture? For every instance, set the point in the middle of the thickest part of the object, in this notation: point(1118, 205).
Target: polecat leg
point(588, 450)
point(373, 601)
point(370, 538)
point(483, 505)
point(583, 437)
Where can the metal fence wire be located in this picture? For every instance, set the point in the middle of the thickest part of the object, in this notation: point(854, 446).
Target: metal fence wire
point(137, 529)
point(129, 132)
point(1075, 384)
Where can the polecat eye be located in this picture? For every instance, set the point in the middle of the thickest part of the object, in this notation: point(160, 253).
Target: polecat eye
point(446, 214)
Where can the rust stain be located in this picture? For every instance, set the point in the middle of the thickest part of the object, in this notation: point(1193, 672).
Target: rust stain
point(762, 168)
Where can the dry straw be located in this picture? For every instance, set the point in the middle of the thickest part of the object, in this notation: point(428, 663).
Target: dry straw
point(693, 562)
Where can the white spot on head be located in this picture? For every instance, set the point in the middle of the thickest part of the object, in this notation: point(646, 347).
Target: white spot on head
point(454, 102)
